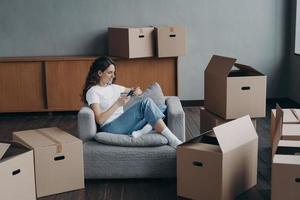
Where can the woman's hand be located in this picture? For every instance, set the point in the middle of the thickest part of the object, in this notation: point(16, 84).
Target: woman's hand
point(123, 100)
point(137, 91)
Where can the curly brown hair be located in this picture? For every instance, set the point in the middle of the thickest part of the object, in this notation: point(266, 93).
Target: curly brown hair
point(101, 63)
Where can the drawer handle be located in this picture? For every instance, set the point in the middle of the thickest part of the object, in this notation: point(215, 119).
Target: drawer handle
point(172, 35)
point(16, 172)
point(246, 88)
point(57, 158)
point(297, 180)
point(197, 163)
point(141, 36)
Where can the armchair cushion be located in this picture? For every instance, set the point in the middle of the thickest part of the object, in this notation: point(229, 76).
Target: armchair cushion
point(151, 139)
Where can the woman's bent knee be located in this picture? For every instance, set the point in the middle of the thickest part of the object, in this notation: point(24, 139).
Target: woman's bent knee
point(147, 101)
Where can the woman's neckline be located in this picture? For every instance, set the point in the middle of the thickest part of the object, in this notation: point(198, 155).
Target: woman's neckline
point(103, 86)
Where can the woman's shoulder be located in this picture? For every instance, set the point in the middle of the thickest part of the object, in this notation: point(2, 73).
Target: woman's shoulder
point(93, 89)
point(117, 86)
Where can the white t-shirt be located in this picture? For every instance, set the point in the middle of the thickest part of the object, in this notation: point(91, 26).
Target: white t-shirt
point(105, 96)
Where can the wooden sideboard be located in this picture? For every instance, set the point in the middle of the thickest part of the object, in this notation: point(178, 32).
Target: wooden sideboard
point(36, 84)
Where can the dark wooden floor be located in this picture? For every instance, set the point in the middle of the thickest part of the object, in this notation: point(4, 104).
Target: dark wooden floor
point(140, 188)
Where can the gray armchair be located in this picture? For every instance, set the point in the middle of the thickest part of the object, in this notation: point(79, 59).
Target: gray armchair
point(107, 161)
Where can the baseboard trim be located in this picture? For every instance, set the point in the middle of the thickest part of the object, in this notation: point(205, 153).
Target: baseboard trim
point(189, 103)
point(283, 102)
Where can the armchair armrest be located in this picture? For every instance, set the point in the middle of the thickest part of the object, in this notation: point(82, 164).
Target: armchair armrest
point(87, 127)
point(175, 117)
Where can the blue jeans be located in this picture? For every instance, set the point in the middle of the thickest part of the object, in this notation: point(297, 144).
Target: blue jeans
point(135, 118)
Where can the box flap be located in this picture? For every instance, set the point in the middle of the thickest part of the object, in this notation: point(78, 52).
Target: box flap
point(196, 139)
point(235, 133)
point(286, 159)
point(10, 149)
point(220, 65)
point(277, 128)
point(296, 114)
point(290, 115)
point(46, 137)
point(3, 149)
point(291, 129)
point(247, 68)
point(289, 143)
point(287, 152)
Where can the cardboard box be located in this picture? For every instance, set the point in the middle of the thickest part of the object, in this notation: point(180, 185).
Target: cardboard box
point(209, 120)
point(285, 177)
point(3, 148)
point(132, 42)
point(291, 124)
point(170, 41)
point(220, 167)
point(234, 93)
point(58, 159)
point(16, 172)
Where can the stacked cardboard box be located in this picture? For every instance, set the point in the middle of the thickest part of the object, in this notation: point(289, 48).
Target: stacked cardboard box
point(232, 93)
point(232, 90)
point(170, 41)
point(58, 159)
point(16, 172)
point(209, 120)
point(285, 178)
point(134, 42)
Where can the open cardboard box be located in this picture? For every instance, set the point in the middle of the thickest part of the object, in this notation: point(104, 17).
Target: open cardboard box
point(16, 172)
point(220, 167)
point(285, 180)
point(209, 120)
point(234, 93)
point(291, 124)
point(58, 159)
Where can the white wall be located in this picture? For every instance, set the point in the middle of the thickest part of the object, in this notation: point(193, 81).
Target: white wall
point(251, 30)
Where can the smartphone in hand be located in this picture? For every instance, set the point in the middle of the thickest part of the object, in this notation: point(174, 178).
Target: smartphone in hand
point(130, 93)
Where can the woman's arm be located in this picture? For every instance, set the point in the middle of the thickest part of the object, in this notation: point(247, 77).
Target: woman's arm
point(100, 116)
point(137, 91)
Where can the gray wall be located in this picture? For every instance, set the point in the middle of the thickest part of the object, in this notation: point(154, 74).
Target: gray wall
point(251, 30)
point(294, 70)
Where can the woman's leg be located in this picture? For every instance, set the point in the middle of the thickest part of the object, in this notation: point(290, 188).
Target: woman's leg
point(146, 129)
point(165, 131)
point(135, 118)
point(159, 125)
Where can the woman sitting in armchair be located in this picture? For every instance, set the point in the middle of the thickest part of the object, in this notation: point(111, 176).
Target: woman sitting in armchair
point(107, 99)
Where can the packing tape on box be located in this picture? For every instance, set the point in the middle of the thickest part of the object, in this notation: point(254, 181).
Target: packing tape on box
point(57, 143)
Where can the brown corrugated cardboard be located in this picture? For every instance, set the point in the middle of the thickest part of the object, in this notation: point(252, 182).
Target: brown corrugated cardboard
point(285, 178)
point(219, 167)
point(208, 120)
point(234, 93)
point(17, 173)
point(170, 41)
point(130, 42)
point(3, 148)
point(291, 123)
point(58, 159)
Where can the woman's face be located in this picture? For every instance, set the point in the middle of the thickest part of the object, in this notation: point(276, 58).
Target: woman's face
point(107, 76)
